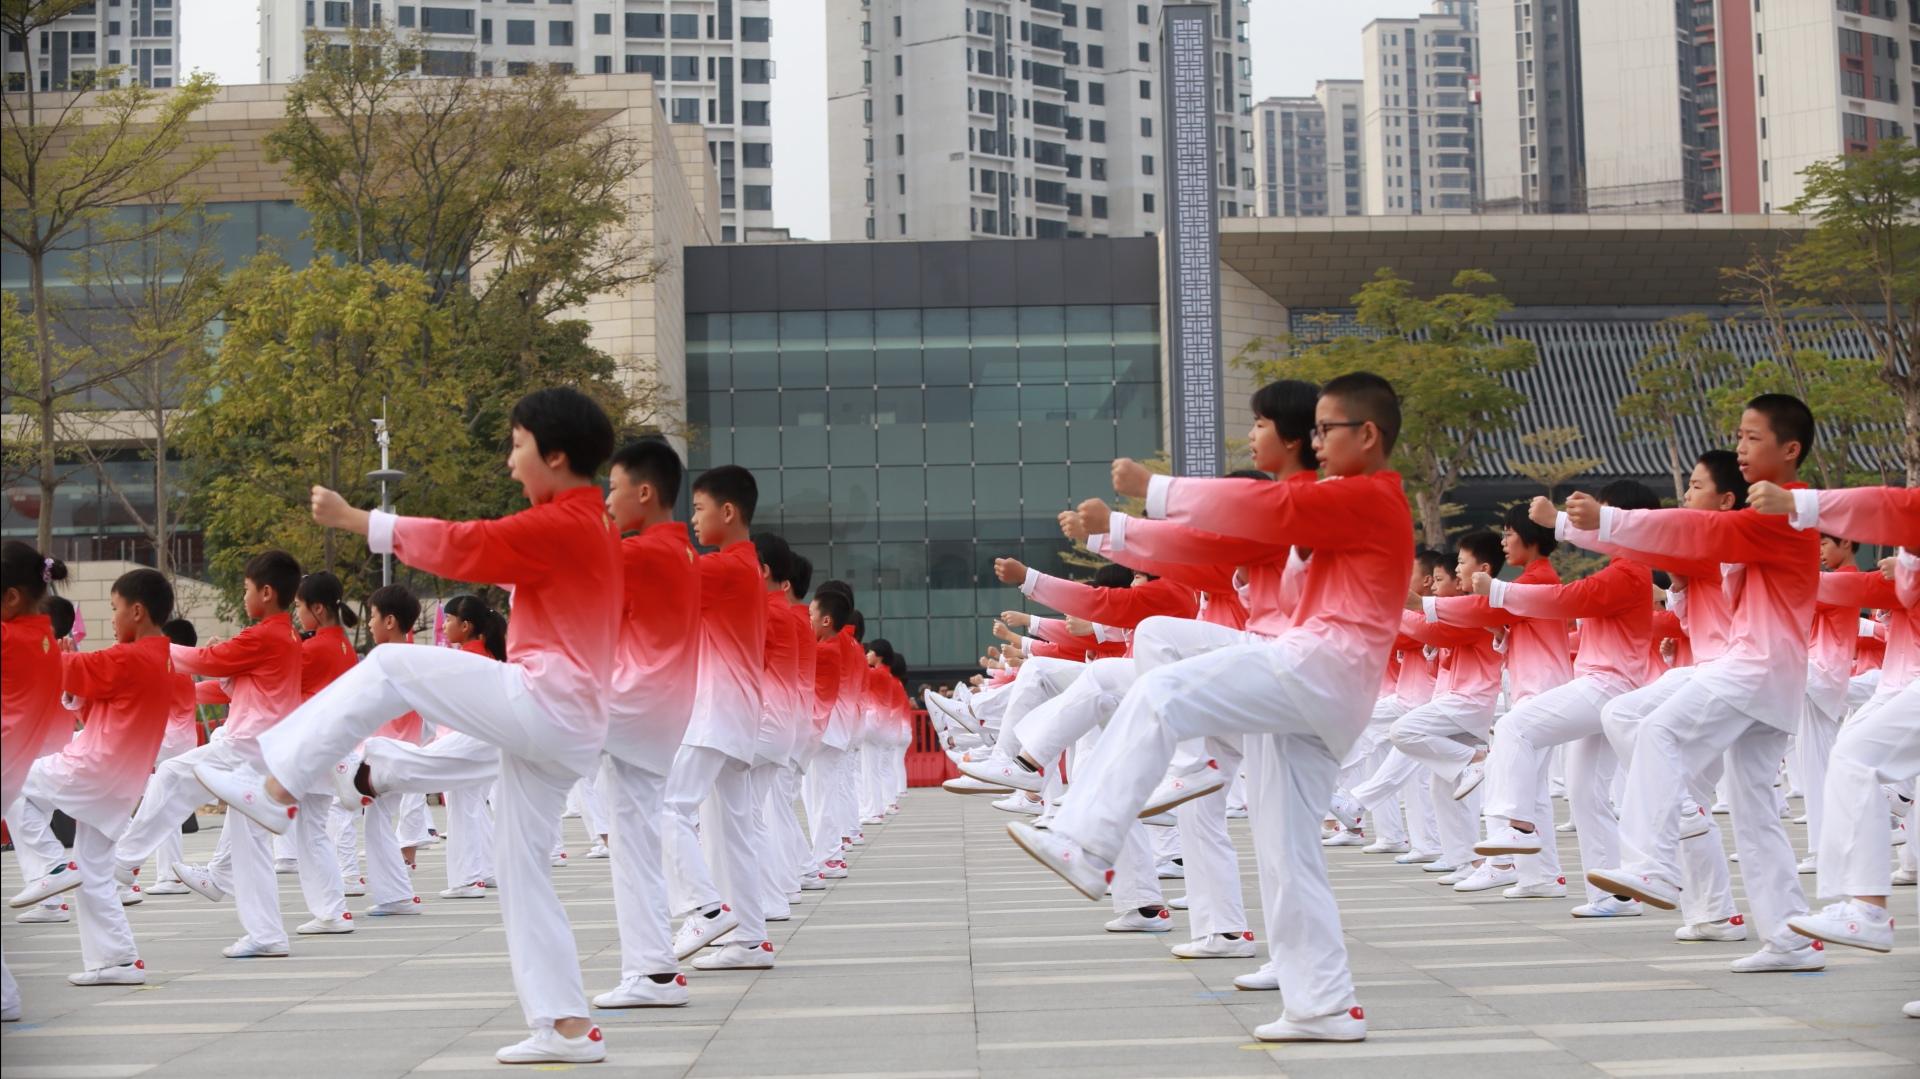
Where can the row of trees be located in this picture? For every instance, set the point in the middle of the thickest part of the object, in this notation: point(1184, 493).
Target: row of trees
point(1858, 268)
point(456, 223)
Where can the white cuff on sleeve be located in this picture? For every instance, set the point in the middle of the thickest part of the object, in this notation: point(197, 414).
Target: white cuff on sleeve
point(1031, 582)
point(1105, 634)
point(1101, 542)
point(1429, 609)
point(1117, 532)
point(1561, 526)
point(1908, 560)
point(1497, 594)
point(380, 531)
point(1607, 518)
point(1158, 490)
point(1806, 509)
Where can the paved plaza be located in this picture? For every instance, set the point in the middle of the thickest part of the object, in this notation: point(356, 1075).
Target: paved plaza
point(949, 952)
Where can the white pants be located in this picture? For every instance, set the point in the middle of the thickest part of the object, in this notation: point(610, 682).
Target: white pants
point(789, 838)
point(636, 804)
point(1813, 744)
point(1677, 741)
point(1566, 715)
point(470, 839)
point(243, 858)
point(412, 822)
point(170, 849)
point(106, 940)
point(320, 883)
point(1423, 825)
point(35, 847)
point(343, 827)
point(539, 756)
point(828, 793)
point(593, 809)
point(703, 775)
point(1369, 752)
point(769, 860)
point(1039, 679)
point(1881, 744)
point(1232, 691)
point(1431, 736)
point(464, 769)
point(873, 795)
point(1083, 705)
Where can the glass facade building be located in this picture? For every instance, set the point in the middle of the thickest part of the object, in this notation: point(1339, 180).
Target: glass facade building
point(909, 419)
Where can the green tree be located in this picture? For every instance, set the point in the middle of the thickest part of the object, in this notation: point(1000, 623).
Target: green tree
point(1863, 256)
point(1551, 464)
point(1673, 382)
point(1445, 356)
point(67, 162)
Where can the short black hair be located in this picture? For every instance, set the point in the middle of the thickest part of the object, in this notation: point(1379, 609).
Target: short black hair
point(561, 419)
point(836, 585)
point(1113, 575)
point(486, 621)
point(652, 461)
point(1484, 545)
point(1516, 521)
point(1429, 559)
point(148, 588)
point(24, 568)
point(181, 632)
point(61, 613)
point(1288, 404)
point(1789, 418)
point(1724, 467)
point(1366, 396)
point(397, 600)
point(1629, 495)
point(881, 647)
point(1840, 539)
point(802, 577)
point(323, 589)
point(775, 555)
point(837, 608)
point(277, 570)
point(1247, 474)
point(859, 623)
point(730, 483)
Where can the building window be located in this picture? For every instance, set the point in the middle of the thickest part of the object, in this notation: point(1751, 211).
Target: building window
point(1145, 53)
point(1146, 202)
point(559, 32)
point(1140, 15)
point(640, 64)
point(406, 15)
point(1097, 168)
point(519, 31)
point(759, 197)
point(756, 72)
point(1100, 206)
point(603, 23)
point(1146, 127)
point(603, 65)
point(686, 110)
point(756, 28)
point(903, 224)
point(901, 182)
point(1096, 131)
point(686, 26)
point(1096, 93)
point(754, 114)
point(686, 69)
point(756, 155)
point(646, 26)
point(1146, 164)
point(1146, 89)
point(1096, 18)
point(1096, 57)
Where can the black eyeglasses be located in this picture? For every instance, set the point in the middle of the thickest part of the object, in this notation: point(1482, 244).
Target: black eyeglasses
point(1321, 429)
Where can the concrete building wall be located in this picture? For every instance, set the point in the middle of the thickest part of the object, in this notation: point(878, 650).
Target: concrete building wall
point(1417, 116)
point(141, 38)
point(1341, 100)
point(1631, 57)
point(89, 587)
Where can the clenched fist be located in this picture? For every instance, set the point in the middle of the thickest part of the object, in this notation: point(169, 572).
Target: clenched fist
point(1130, 478)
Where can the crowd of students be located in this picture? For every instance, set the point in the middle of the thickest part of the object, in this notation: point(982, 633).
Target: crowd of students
point(1268, 644)
point(686, 703)
point(1272, 644)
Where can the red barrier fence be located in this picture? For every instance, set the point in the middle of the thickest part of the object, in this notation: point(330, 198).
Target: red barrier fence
point(927, 764)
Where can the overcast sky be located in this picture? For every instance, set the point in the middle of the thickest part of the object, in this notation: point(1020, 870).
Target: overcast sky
point(1295, 43)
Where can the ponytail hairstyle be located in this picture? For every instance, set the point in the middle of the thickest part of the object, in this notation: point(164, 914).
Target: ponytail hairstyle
point(897, 663)
point(23, 569)
point(883, 648)
point(325, 591)
point(1288, 404)
point(61, 613)
point(486, 622)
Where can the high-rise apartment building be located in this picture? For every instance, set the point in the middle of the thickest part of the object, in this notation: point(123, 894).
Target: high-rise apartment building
point(141, 37)
point(951, 119)
point(1307, 153)
point(710, 59)
point(1717, 105)
point(1532, 151)
point(1418, 123)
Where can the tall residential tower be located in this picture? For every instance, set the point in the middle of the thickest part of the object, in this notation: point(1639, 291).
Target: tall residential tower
point(141, 37)
point(1418, 119)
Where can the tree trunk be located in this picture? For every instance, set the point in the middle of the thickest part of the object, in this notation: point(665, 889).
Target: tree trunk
point(1673, 465)
point(162, 533)
point(1911, 403)
point(44, 397)
point(1433, 529)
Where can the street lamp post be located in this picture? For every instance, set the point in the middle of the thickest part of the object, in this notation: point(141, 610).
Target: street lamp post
point(384, 475)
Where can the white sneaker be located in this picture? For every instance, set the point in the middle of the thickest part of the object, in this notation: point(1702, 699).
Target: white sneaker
point(1217, 946)
point(558, 860)
point(1550, 889)
point(353, 887)
point(399, 908)
point(199, 881)
point(1236, 812)
point(130, 895)
point(1507, 839)
point(285, 866)
point(62, 877)
point(1263, 980)
point(699, 930)
point(134, 973)
point(10, 1013)
point(869, 820)
point(166, 887)
point(1489, 876)
point(1652, 891)
point(1608, 906)
point(812, 883)
point(1344, 838)
point(1439, 865)
point(645, 993)
point(1470, 779)
point(1170, 870)
point(1769, 961)
point(1346, 811)
point(464, 891)
point(344, 772)
point(1721, 809)
point(1849, 922)
point(833, 870)
point(1161, 820)
point(248, 948)
point(1734, 928)
point(738, 957)
point(996, 771)
point(326, 926)
point(1905, 878)
point(1418, 857)
point(1133, 921)
point(1178, 902)
point(1565, 826)
point(964, 784)
point(246, 793)
point(51, 915)
point(598, 851)
point(1808, 865)
point(1386, 846)
point(1017, 802)
point(1695, 821)
point(859, 839)
point(1088, 873)
point(1455, 876)
point(1178, 790)
point(1911, 1009)
point(1347, 1026)
point(546, 1046)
